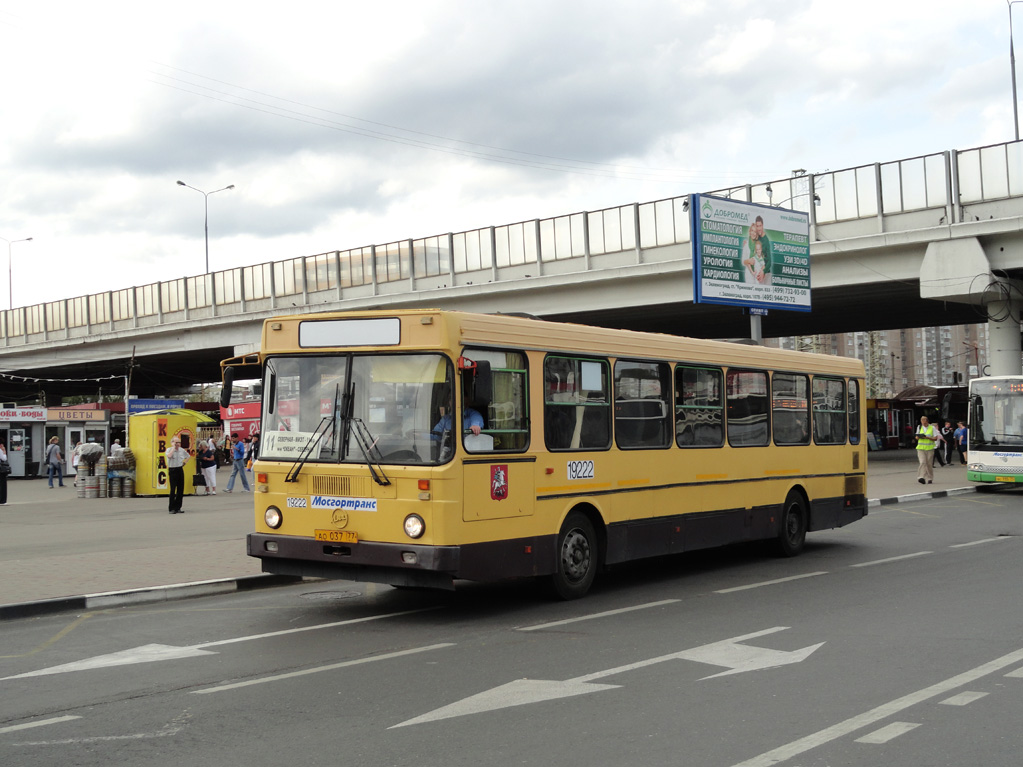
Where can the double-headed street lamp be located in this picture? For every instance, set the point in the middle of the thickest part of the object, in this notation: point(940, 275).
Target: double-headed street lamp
point(816, 197)
point(10, 270)
point(206, 203)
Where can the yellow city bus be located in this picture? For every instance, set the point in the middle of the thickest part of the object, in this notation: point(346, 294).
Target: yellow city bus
point(419, 447)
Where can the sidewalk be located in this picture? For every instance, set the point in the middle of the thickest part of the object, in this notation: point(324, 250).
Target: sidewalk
point(54, 544)
point(891, 475)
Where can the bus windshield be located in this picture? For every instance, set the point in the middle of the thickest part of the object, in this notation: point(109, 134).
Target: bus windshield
point(996, 416)
point(356, 408)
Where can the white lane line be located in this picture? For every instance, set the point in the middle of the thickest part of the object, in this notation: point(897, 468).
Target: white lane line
point(164, 733)
point(892, 559)
point(875, 715)
point(889, 732)
point(982, 540)
point(39, 723)
point(1017, 674)
point(317, 627)
point(770, 583)
point(318, 669)
point(963, 698)
point(593, 616)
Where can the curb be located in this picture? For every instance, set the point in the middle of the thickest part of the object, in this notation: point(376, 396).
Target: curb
point(143, 596)
point(920, 496)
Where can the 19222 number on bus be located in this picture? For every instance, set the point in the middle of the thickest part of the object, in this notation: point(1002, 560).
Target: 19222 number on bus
point(580, 469)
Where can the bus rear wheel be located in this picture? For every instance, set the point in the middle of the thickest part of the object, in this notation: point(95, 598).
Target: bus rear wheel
point(578, 557)
point(792, 531)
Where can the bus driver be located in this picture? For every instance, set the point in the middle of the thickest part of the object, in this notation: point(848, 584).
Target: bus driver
point(471, 418)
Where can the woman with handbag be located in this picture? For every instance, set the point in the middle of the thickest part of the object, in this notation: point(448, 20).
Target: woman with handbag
point(5, 469)
point(207, 458)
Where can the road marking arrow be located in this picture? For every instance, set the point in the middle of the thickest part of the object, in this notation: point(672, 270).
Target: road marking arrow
point(517, 693)
point(145, 654)
point(736, 657)
point(154, 652)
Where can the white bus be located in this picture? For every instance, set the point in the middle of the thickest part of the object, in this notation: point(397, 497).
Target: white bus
point(995, 434)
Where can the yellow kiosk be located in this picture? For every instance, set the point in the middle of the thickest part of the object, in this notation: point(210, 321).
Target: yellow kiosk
point(149, 436)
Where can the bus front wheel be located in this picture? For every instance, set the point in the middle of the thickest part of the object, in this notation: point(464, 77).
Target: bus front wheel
point(792, 532)
point(577, 556)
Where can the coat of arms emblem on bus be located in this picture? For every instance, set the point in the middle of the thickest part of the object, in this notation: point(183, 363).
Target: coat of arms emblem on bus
point(499, 482)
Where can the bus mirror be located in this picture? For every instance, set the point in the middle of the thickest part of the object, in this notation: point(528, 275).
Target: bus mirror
point(228, 385)
point(481, 387)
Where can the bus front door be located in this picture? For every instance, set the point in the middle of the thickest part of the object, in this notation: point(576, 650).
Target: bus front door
point(501, 488)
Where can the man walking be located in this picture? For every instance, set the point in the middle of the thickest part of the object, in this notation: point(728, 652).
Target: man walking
point(949, 444)
point(960, 437)
point(177, 456)
point(238, 459)
point(54, 461)
point(926, 439)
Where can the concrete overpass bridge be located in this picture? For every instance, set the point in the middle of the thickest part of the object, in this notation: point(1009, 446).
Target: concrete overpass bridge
point(924, 241)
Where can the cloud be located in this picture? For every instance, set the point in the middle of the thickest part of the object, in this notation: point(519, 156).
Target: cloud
point(346, 124)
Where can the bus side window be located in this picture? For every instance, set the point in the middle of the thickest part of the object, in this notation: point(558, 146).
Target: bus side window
point(699, 410)
point(854, 412)
point(577, 406)
point(748, 424)
point(641, 407)
point(829, 417)
point(790, 408)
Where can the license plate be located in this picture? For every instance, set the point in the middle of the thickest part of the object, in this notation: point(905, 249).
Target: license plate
point(336, 536)
point(1005, 479)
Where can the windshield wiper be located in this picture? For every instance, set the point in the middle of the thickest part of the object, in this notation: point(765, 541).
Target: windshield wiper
point(368, 445)
point(347, 406)
point(307, 451)
point(314, 439)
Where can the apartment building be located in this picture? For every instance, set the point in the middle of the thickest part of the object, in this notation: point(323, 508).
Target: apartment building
point(898, 359)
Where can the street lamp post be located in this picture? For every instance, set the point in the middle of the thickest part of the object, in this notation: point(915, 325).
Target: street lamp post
point(816, 197)
point(1012, 66)
point(10, 270)
point(206, 205)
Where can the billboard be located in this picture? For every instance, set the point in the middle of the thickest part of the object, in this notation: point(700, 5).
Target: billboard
point(745, 254)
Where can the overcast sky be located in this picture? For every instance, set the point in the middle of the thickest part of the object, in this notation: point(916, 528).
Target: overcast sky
point(351, 123)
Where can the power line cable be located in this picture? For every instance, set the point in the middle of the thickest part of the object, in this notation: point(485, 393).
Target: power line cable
point(607, 170)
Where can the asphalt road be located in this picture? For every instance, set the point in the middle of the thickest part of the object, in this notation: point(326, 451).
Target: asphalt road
point(895, 641)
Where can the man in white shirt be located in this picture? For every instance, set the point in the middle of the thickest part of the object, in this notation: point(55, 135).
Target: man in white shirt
point(177, 457)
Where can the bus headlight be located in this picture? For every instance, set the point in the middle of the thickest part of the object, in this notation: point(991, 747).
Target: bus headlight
point(272, 517)
point(414, 526)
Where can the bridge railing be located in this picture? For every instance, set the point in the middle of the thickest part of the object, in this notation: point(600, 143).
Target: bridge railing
point(892, 193)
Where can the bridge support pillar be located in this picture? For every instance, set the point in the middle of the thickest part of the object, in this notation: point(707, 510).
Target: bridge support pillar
point(1005, 343)
point(955, 270)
